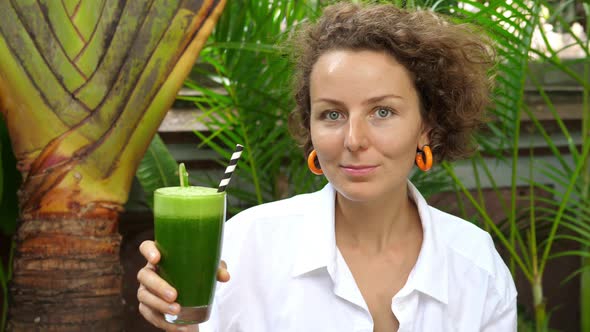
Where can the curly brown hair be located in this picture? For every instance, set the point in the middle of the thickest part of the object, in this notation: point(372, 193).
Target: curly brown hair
point(450, 64)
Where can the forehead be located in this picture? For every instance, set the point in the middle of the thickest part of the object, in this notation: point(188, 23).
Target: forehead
point(362, 72)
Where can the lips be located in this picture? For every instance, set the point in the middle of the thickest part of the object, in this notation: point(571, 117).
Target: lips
point(358, 170)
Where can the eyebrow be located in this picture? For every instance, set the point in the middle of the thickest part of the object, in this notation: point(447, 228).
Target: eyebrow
point(380, 98)
point(368, 101)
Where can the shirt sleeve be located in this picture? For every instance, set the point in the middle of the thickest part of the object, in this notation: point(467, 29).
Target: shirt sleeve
point(503, 318)
point(500, 307)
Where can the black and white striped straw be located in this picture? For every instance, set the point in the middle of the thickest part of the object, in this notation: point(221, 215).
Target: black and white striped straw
point(230, 168)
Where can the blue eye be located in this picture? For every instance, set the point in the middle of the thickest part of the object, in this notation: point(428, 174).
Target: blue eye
point(383, 112)
point(333, 115)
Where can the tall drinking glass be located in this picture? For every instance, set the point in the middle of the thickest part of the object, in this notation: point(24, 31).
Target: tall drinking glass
point(188, 231)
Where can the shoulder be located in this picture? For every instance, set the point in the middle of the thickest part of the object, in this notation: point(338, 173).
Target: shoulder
point(266, 236)
point(462, 237)
point(470, 249)
point(270, 219)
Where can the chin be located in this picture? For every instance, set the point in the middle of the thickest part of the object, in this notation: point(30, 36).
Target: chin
point(357, 192)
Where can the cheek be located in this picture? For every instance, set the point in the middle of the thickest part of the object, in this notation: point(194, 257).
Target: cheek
point(327, 143)
point(398, 147)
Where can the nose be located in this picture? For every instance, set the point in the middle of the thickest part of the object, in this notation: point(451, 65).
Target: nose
point(356, 136)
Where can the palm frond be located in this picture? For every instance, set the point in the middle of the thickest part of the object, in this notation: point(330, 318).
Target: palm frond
point(157, 169)
point(243, 57)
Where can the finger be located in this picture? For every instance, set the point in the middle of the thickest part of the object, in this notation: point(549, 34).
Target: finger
point(151, 266)
point(156, 285)
point(222, 275)
point(155, 303)
point(157, 319)
point(149, 251)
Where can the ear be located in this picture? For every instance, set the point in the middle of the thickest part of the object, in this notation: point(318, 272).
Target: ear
point(424, 138)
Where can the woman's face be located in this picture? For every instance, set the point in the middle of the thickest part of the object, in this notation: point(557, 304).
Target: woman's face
point(365, 122)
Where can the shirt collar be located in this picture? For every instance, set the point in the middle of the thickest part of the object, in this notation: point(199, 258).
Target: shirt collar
point(318, 250)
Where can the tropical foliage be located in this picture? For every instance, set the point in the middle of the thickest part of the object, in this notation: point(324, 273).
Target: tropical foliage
point(244, 59)
point(557, 199)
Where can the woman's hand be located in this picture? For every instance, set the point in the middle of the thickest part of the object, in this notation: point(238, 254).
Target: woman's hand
point(156, 297)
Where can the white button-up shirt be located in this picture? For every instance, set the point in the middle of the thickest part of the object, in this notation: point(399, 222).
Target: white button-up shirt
point(287, 274)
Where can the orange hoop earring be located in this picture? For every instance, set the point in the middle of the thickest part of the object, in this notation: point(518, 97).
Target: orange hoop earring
point(424, 158)
point(311, 163)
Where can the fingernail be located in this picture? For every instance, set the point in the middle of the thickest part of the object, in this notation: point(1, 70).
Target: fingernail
point(152, 255)
point(170, 295)
point(173, 309)
point(181, 329)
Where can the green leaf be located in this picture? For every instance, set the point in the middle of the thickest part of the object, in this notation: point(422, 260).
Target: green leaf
point(157, 169)
point(243, 57)
point(574, 274)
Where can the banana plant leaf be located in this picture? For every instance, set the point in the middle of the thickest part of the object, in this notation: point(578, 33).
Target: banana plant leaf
point(84, 85)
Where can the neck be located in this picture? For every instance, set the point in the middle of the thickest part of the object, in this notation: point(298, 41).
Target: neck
point(377, 226)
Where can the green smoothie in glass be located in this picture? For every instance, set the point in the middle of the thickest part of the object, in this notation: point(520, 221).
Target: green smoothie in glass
point(188, 230)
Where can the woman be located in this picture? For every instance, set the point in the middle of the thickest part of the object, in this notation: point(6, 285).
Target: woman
point(377, 89)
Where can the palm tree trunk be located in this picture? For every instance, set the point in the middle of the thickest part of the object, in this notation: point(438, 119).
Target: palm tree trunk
point(67, 275)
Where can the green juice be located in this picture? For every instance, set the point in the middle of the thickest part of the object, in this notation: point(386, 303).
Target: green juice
point(188, 230)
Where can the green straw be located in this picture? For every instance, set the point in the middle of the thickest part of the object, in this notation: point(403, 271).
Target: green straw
point(183, 175)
